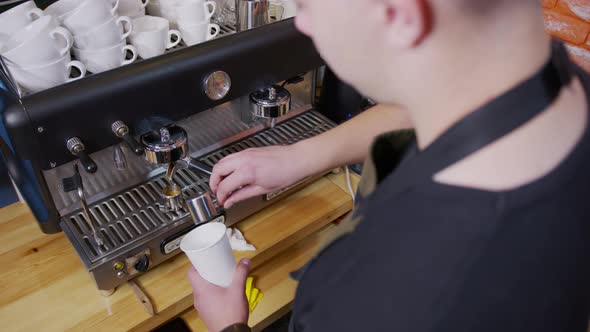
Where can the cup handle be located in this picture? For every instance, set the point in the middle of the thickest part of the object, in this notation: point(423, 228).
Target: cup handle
point(145, 3)
point(66, 35)
point(80, 67)
point(115, 7)
point(35, 14)
point(210, 5)
point(133, 51)
point(214, 34)
point(171, 43)
point(125, 21)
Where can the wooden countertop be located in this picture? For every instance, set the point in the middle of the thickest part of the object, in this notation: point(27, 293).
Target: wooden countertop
point(45, 287)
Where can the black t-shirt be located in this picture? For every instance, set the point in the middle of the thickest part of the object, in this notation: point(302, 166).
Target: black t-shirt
point(448, 258)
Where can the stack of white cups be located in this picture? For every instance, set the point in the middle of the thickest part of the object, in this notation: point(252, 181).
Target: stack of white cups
point(165, 9)
point(17, 18)
point(36, 49)
point(194, 21)
point(99, 35)
point(132, 8)
point(191, 17)
point(152, 36)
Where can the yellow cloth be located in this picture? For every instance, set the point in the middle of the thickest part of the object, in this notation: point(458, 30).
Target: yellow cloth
point(253, 294)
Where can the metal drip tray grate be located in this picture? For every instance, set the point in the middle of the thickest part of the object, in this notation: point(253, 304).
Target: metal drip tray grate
point(132, 215)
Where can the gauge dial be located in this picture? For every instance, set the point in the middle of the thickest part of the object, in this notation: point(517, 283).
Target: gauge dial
point(217, 85)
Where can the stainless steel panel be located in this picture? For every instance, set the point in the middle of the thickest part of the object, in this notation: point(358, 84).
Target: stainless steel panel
point(207, 130)
point(132, 215)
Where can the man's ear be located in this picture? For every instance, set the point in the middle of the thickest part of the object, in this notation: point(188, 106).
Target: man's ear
point(408, 22)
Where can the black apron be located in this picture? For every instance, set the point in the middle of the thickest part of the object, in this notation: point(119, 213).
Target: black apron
point(484, 126)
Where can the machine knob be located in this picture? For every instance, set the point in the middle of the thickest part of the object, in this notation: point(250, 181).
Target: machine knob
point(142, 264)
point(77, 148)
point(121, 130)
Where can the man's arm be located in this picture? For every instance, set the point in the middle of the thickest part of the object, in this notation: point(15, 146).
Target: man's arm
point(349, 143)
point(258, 171)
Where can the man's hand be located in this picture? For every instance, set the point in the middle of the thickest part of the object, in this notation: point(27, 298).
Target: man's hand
point(221, 307)
point(255, 172)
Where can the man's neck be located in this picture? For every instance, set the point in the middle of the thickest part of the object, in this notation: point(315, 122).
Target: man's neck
point(466, 79)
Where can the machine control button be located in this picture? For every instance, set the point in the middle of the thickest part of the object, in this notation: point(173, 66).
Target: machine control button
point(118, 266)
point(120, 274)
point(142, 264)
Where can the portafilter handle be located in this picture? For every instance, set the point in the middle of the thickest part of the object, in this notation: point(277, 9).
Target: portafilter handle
point(198, 166)
point(192, 164)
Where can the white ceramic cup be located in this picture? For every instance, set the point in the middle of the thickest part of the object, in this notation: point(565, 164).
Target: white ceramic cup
point(112, 32)
point(153, 9)
point(89, 14)
point(97, 61)
point(19, 17)
point(194, 11)
point(3, 38)
point(208, 249)
point(36, 78)
point(197, 33)
point(60, 9)
point(132, 8)
point(167, 9)
point(152, 36)
point(38, 43)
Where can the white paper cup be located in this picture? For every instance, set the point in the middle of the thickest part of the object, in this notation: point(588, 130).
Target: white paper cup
point(208, 249)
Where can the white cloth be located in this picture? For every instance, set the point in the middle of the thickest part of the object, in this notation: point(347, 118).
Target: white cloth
point(238, 241)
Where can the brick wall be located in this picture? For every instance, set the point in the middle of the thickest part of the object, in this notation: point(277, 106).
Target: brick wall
point(569, 20)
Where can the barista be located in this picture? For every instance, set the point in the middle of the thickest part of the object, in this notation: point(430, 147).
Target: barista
point(484, 224)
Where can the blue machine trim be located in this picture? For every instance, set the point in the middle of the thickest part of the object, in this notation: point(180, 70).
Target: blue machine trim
point(7, 193)
point(28, 185)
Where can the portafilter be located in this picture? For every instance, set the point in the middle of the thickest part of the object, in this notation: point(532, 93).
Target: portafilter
point(169, 146)
point(270, 103)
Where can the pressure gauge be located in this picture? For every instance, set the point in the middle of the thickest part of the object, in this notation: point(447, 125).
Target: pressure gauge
point(217, 85)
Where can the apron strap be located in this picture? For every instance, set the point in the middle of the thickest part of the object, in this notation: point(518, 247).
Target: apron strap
point(487, 124)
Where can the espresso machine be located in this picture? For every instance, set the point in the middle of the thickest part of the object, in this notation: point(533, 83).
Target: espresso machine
point(120, 161)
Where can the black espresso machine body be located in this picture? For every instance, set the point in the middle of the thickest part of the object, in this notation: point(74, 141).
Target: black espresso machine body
point(129, 235)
